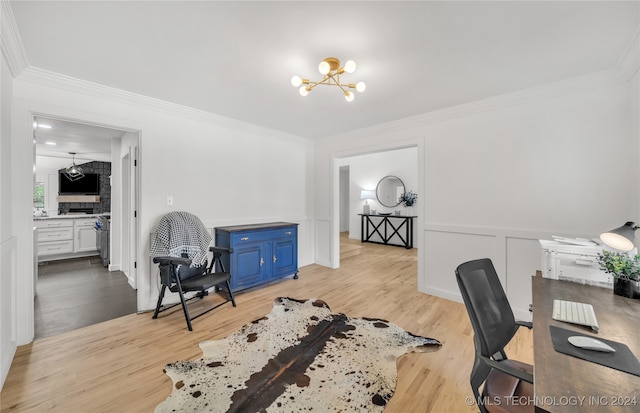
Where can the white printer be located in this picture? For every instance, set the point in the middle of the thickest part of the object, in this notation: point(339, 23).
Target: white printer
point(574, 259)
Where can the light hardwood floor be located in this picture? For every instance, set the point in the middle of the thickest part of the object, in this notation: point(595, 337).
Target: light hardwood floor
point(116, 366)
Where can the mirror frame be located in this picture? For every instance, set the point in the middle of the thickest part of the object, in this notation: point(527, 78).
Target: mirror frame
point(378, 191)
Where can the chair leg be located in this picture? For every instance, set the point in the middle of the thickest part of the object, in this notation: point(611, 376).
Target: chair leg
point(160, 297)
point(186, 311)
point(184, 304)
point(233, 300)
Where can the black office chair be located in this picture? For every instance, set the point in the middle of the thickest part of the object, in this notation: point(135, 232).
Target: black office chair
point(180, 248)
point(508, 384)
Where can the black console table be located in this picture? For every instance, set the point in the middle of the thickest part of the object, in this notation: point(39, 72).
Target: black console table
point(386, 226)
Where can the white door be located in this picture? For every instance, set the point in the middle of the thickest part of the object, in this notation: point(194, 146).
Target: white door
point(126, 210)
point(129, 214)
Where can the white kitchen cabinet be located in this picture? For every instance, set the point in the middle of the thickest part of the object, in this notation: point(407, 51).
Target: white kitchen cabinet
point(53, 223)
point(85, 236)
point(55, 236)
point(65, 238)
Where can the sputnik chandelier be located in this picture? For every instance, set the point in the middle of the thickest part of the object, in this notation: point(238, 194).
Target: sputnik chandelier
point(331, 70)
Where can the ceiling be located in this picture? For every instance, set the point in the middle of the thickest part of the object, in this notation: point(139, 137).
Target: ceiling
point(58, 140)
point(236, 59)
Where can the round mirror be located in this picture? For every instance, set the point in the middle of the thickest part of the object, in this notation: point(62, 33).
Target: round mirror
point(389, 190)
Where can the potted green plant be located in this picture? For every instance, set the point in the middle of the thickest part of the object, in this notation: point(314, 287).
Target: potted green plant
point(625, 270)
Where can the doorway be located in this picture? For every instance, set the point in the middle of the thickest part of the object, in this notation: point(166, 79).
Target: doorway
point(348, 247)
point(344, 198)
point(365, 169)
point(58, 143)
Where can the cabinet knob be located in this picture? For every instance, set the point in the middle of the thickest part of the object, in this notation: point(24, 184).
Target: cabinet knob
point(288, 233)
point(275, 258)
point(244, 239)
point(261, 261)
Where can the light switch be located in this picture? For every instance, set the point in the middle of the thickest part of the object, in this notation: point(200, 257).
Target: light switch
point(170, 200)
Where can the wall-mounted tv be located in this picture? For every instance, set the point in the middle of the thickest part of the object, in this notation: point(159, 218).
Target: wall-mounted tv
point(88, 185)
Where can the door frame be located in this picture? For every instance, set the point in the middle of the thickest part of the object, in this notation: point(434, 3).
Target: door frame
point(23, 182)
point(337, 157)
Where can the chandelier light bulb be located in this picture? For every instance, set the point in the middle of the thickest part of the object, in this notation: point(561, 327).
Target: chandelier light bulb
point(296, 81)
point(348, 96)
point(332, 70)
point(324, 67)
point(350, 66)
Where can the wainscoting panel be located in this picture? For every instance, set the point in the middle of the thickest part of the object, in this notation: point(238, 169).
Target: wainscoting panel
point(444, 251)
point(324, 242)
point(515, 255)
point(305, 242)
point(8, 315)
point(523, 259)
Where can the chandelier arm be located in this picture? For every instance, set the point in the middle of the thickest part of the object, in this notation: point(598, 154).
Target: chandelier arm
point(340, 85)
point(336, 81)
point(325, 81)
point(311, 85)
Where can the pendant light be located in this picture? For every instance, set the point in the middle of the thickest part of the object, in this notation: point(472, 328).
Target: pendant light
point(73, 171)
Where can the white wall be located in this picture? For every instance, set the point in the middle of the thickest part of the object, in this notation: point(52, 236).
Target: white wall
point(224, 171)
point(8, 240)
point(494, 180)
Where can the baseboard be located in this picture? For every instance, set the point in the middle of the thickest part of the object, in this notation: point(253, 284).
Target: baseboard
point(444, 294)
point(7, 359)
point(325, 263)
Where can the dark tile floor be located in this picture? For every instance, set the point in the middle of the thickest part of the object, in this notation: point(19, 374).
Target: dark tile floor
point(79, 292)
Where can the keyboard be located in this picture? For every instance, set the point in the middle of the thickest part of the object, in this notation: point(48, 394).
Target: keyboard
point(575, 313)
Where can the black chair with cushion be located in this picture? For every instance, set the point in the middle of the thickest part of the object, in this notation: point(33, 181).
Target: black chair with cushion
point(507, 385)
point(180, 247)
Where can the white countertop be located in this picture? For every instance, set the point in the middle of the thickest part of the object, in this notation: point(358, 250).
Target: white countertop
point(72, 216)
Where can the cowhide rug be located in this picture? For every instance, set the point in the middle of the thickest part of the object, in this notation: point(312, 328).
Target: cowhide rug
point(299, 357)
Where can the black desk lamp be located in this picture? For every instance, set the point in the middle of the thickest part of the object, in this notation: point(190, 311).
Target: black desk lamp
point(620, 238)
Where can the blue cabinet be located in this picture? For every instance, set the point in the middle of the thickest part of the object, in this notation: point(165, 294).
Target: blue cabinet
point(261, 252)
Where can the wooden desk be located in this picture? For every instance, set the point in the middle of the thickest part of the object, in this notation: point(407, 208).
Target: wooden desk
point(567, 384)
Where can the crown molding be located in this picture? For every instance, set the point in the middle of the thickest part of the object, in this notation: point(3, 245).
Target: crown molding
point(624, 71)
point(565, 87)
point(47, 78)
point(13, 50)
point(10, 41)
